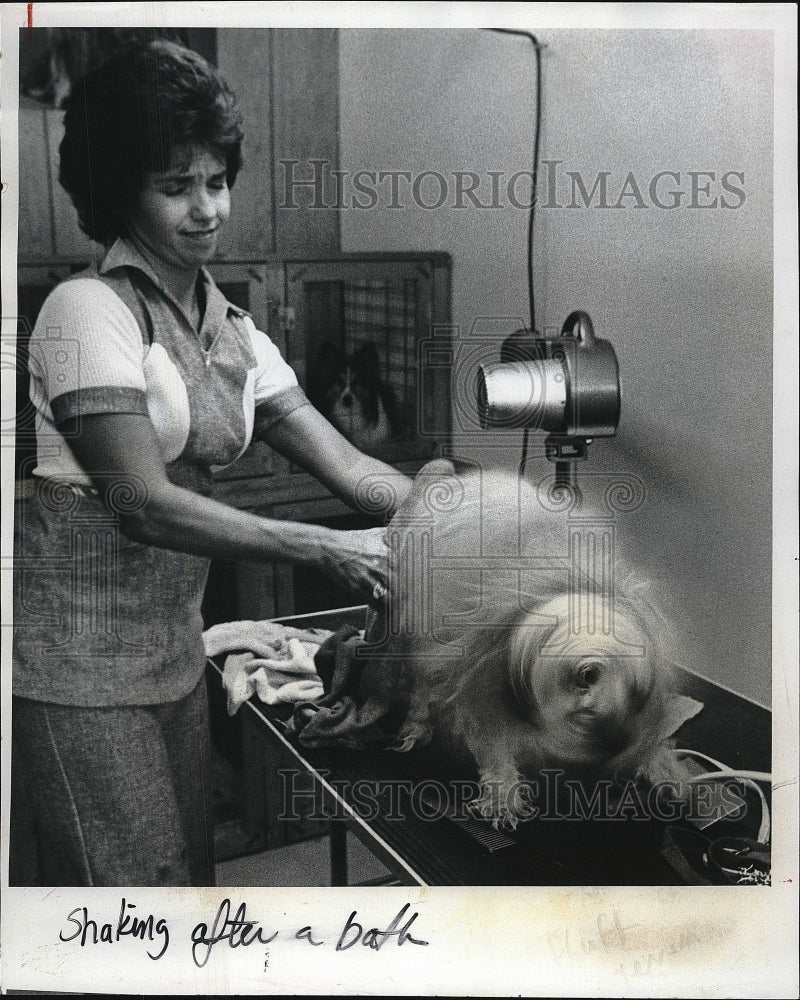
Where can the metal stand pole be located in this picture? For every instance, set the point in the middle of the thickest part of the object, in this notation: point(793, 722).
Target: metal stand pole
point(566, 476)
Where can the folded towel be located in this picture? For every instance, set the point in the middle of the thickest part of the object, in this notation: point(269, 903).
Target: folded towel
point(244, 675)
point(265, 638)
point(273, 661)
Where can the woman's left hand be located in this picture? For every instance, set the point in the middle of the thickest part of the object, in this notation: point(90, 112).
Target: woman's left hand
point(359, 561)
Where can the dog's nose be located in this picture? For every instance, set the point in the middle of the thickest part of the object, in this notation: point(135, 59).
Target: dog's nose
point(602, 695)
point(589, 675)
point(347, 399)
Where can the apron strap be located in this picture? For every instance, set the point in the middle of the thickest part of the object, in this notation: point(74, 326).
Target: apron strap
point(124, 286)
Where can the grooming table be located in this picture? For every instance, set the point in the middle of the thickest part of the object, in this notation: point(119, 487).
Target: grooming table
point(442, 850)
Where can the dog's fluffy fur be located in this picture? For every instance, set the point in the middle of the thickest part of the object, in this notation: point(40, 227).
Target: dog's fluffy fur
point(497, 661)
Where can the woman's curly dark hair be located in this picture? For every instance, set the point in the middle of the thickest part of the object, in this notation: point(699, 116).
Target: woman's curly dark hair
point(131, 116)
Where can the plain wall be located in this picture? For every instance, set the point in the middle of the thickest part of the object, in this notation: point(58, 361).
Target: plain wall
point(684, 295)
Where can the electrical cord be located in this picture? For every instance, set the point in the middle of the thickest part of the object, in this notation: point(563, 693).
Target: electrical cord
point(749, 778)
point(523, 460)
point(537, 48)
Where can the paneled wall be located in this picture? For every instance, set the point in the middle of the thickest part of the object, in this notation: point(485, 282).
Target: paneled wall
point(286, 81)
point(287, 84)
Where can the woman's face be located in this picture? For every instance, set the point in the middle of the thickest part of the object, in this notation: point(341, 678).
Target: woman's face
point(180, 212)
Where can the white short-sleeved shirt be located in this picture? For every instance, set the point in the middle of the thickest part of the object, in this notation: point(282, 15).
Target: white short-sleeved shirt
point(113, 340)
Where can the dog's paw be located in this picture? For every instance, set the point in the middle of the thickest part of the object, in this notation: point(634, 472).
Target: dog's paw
point(404, 745)
point(501, 818)
point(485, 806)
point(505, 803)
point(415, 734)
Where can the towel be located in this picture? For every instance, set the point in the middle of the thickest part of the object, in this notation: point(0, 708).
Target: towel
point(354, 710)
point(273, 661)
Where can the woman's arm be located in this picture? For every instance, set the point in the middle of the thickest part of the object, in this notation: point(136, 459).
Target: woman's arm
point(121, 450)
point(306, 438)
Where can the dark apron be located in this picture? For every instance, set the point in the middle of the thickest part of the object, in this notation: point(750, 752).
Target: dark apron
point(100, 619)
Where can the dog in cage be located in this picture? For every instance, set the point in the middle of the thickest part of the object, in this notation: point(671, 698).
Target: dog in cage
point(351, 392)
point(519, 638)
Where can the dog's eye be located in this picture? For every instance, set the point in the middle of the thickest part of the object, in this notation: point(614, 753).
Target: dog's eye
point(589, 674)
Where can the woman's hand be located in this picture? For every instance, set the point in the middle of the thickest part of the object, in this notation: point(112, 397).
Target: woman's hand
point(358, 561)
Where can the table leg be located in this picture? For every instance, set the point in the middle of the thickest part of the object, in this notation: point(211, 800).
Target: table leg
point(338, 838)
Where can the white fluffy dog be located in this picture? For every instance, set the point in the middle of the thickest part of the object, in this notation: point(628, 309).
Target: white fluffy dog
point(513, 632)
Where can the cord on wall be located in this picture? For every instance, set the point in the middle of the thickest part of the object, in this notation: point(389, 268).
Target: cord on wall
point(537, 49)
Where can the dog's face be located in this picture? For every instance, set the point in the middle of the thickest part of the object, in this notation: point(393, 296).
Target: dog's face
point(353, 397)
point(353, 391)
point(589, 696)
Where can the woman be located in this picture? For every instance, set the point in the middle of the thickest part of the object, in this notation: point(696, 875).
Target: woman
point(145, 380)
